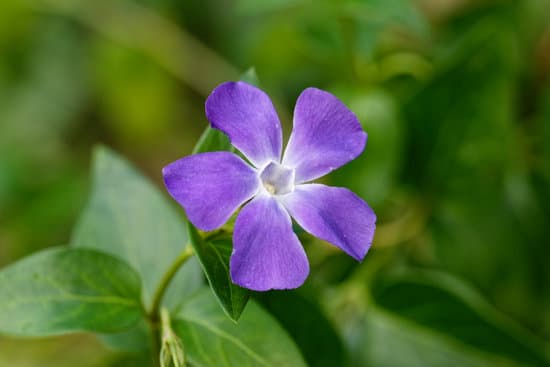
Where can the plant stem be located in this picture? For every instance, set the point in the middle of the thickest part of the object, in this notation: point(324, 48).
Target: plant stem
point(154, 314)
point(155, 342)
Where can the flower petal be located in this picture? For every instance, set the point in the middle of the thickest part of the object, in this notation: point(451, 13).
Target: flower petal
point(333, 214)
point(210, 186)
point(247, 116)
point(266, 252)
point(325, 136)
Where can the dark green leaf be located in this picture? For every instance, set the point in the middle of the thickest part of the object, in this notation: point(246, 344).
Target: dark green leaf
point(211, 339)
point(420, 297)
point(214, 258)
point(214, 255)
point(379, 339)
point(212, 140)
point(128, 217)
point(308, 326)
point(63, 290)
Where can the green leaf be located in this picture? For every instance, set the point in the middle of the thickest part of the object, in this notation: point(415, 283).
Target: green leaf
point(64, 290)
point(211, 339)
point(214, 258)
point(420, 297)
point(212, 140)
point(305, 322)
point(129, 218)
point(250, 77)
point(214, 255)
point(380, 339)
point(137, 339)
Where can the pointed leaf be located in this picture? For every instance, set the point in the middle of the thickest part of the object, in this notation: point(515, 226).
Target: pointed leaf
point(214, 258)
point(214, 255)
point(212, 140)
point(211, 339)
point(64, 289)
point(129, 218)
point(251, 77)
point(418, 297)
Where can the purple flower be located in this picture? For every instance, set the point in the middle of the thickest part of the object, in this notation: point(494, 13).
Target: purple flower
point(211, 186)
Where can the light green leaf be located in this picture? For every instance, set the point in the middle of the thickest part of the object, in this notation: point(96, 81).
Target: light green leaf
point(418, 298)
point(135, 340)
point(129, 218)
point(211, 339)
point(214, 257)
point(65, 289)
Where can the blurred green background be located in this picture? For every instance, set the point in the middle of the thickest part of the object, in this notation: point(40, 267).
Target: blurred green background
point(455, 97)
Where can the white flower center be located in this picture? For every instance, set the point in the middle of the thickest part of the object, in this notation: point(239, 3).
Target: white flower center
point(277, 179)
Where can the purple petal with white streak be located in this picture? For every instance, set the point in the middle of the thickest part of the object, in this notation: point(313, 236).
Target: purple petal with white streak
point(210, 186)
point(247, 116)
point(333, 214)
point(266, 252)
point(326, 135)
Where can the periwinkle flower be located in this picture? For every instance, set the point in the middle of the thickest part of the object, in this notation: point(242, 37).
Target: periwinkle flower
point(212, 186)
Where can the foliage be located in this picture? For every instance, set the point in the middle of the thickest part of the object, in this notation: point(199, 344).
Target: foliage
point(62, 290)
point(454, 95)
